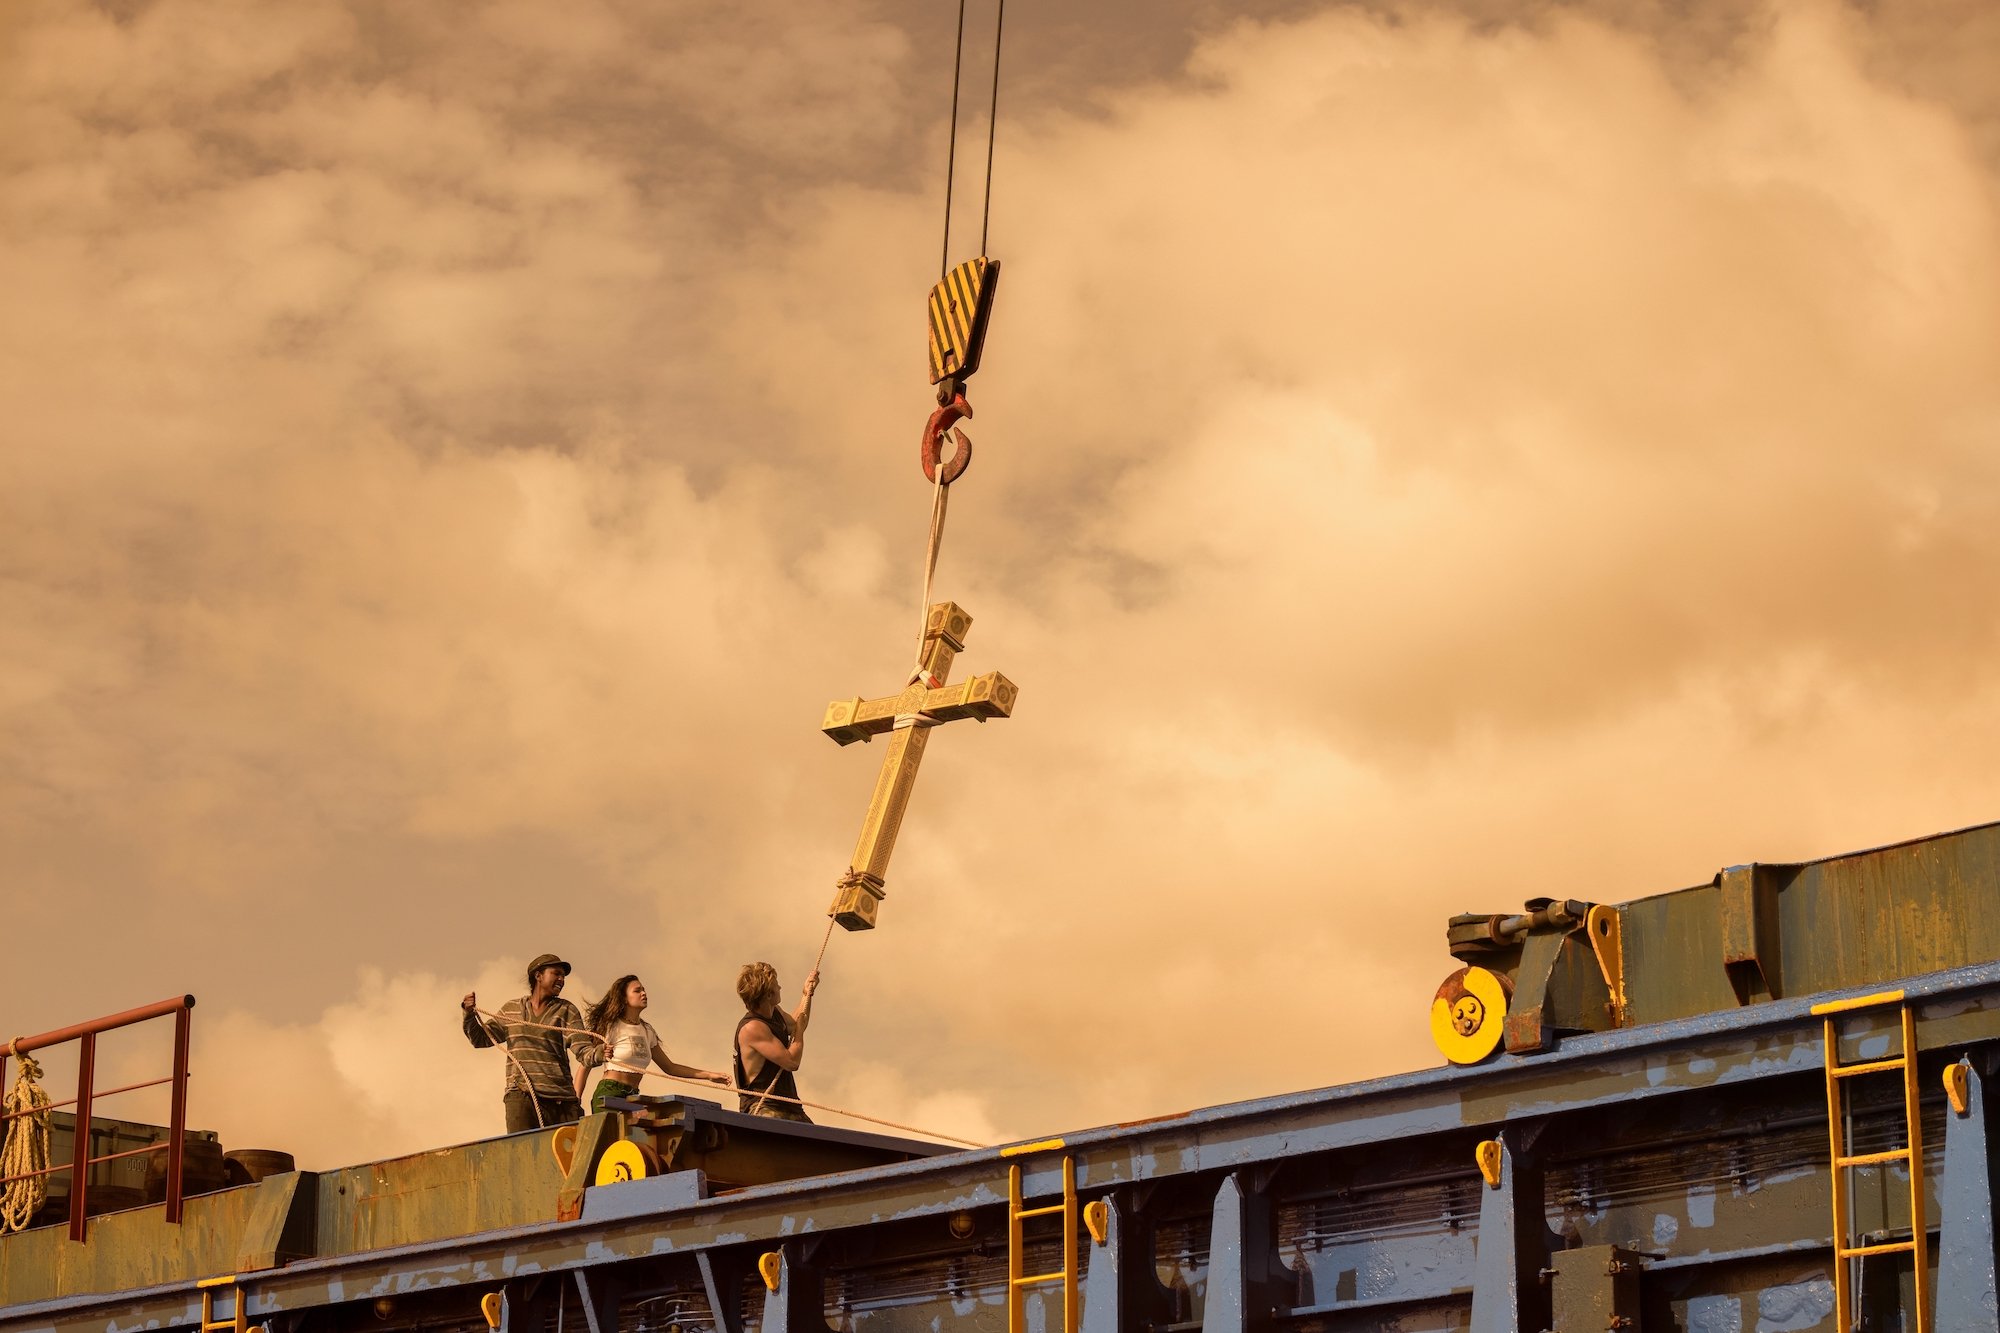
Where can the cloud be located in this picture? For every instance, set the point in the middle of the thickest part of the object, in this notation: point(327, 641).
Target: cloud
point(1426, 458)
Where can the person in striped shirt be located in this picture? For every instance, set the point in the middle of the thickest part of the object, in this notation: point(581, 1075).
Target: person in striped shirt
point(540, 1032)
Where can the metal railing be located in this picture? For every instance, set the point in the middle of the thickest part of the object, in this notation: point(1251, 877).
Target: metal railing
point(86, 1034)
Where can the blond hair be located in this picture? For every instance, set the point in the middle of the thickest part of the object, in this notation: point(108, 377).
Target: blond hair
point(755, 983)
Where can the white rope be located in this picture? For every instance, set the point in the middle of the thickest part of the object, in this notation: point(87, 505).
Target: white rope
point(817, 1106)
point(940, 498)
point(25, 1152)
point(527, 1084)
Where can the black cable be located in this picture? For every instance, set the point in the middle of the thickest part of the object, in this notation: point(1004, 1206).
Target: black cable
point(951, 153)
point(992, 118)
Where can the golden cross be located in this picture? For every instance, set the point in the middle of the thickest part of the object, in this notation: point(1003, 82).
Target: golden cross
point(924, 703)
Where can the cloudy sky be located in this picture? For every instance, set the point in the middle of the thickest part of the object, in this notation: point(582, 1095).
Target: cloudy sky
point(1429, 455)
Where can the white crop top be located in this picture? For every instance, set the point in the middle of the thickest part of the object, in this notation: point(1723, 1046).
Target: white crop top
point(631, 1047)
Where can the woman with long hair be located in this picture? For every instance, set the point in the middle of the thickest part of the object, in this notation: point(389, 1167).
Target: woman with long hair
point(630, 1043)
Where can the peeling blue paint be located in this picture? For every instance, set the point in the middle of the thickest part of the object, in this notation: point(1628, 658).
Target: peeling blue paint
point(1701, 1205)
point(1714, 1314)
point(1795, 1306)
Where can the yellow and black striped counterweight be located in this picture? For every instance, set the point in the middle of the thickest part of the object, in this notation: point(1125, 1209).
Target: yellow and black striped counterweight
point(960, 304)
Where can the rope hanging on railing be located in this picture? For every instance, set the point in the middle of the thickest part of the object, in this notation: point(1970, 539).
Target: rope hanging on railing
point(25, 1152)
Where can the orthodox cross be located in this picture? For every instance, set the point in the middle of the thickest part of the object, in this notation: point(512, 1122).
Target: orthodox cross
point(908, 718)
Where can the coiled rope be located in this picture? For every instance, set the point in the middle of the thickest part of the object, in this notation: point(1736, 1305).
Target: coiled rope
point(26, 1150)
point(703, 1083)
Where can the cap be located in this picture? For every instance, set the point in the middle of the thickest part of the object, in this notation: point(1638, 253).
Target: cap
point(545, 960)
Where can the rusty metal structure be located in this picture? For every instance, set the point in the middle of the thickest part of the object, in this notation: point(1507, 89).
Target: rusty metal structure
point(1759, 1103)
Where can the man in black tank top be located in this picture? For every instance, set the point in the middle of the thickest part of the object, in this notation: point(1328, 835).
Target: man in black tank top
point(771, 1040)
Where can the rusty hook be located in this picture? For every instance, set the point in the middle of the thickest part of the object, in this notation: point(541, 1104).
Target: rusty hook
point(934, 432)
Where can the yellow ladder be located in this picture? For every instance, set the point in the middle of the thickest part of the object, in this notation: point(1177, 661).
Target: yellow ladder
point(1912, 1155)
point(1018, 1279)
point(233, 1322)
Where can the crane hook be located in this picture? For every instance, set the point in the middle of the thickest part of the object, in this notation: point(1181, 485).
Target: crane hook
point(934, 432)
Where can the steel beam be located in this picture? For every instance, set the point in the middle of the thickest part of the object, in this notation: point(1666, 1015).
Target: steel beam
point(1513, 1243)
point(722, 1274)
point(1968, 1292)
point(1247, 1281)
point(1121, 1286)
point(597, 1291)
point(1741, 1048)
point(798, 1305)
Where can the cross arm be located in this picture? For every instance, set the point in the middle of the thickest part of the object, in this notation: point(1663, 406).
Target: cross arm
point(982, 697)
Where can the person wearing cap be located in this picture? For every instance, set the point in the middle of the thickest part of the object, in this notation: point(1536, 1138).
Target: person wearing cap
point(540, 1032)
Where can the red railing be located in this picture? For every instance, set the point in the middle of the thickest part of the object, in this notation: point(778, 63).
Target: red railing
point(86, 1068)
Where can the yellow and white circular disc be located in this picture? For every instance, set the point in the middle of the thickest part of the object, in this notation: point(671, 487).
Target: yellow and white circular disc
point(623, 1160)
point(1467, 1015)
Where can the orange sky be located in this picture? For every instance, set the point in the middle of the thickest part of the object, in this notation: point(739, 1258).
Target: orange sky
point(1430, 455)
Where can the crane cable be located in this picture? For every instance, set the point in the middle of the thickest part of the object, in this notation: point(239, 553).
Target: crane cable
point(25, 1154)
point(992, 120)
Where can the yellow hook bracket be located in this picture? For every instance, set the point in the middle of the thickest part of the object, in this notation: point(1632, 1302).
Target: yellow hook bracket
point(1487, 1154)
point(1958, 1087)
point(769, 1265)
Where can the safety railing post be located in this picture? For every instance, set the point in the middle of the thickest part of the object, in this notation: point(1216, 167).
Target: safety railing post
point(177, 1118)
point(86, 1065)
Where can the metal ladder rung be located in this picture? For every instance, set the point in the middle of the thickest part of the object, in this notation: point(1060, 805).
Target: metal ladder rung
point(210, 1286)
point(1838, 1129)
point(1889, 1247)
point(1017, 1280)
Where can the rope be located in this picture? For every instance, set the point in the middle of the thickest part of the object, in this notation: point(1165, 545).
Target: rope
point(818, 958)
point(817, 1106)
point(27, 1146)
point(940, 500)
point(527, 1084)
point(835, 1110)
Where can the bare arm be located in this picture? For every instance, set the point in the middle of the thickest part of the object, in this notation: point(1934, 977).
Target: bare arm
point(804, 1015)
point(585, 1047)
point(759, 1038)
point(666, 1062)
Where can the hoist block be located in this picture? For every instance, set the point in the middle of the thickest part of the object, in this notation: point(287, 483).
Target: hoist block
point(960, 304)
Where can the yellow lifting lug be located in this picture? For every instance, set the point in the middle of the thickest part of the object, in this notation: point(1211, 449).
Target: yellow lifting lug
point(489, 1305)
point(1958, 1087)
point(1487, 1154)
point(1097, 1220)
point(562, 1144)
point(1604, 925)
point(769, 1265)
